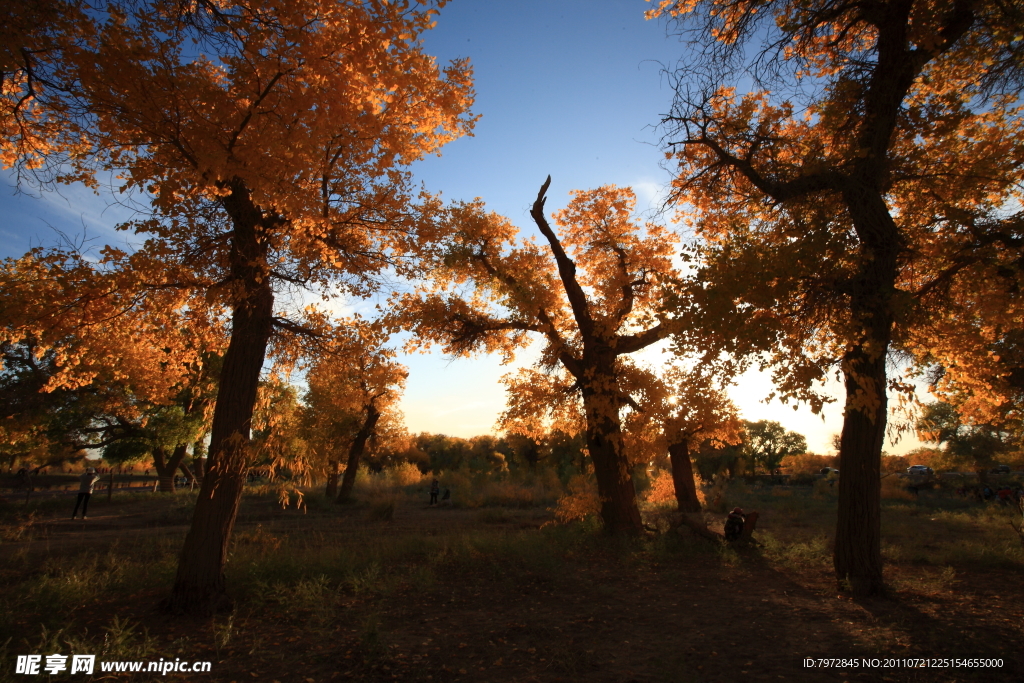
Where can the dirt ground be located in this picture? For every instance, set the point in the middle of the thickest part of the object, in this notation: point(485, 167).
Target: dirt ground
point(676, 611)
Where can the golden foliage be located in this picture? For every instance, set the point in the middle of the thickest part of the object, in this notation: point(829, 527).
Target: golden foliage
point(770, 182)
point(351, 373)
point(580, 501)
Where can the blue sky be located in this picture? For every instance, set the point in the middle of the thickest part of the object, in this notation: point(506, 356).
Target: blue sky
point(569, 88)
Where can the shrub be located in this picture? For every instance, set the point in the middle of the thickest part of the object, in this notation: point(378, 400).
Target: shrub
point(662, 489)
point(580, 502)
point(520, 489)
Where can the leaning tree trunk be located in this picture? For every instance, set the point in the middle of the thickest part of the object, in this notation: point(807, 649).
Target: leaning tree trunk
point(166, 466)
point(189, 475)
point(199, 587)
point(355, 452)
point(682, 477)
point(619, 511)
point(858, 554)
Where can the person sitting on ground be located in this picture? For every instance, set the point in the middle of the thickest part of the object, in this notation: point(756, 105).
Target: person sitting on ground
point(447, 495)
point(88, 480)
point(734, 524)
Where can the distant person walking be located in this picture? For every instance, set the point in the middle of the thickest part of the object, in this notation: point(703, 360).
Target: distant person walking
point(435, 488)
point(88, 480)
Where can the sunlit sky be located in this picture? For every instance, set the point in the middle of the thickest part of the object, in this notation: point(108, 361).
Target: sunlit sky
point(570, 88)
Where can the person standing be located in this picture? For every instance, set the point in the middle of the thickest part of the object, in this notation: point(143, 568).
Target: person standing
point(435, 488)
point(88, 480)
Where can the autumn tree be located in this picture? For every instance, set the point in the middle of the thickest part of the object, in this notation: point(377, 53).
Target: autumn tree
point(39, 428)
point(591, 296)
point(975, 446)
point(280, 448)
point(835, 193)
point(354, 383)
point(269, 139)
point(767, 443)
point(87, 364)
point(696, 411)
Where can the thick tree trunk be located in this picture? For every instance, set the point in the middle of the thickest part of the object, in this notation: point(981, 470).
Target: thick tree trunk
point(682, 477)
point(166, 466)
point(614, 476)
point(165, 482)
point(199, 586)
point(355, 452)
point(858, 554)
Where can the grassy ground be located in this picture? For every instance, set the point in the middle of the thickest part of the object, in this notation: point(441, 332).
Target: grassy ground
point(390, 589)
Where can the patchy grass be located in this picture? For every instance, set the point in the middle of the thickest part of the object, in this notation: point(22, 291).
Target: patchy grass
point(496, 593)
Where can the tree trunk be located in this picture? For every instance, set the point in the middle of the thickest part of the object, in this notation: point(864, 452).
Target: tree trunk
point(682, 477)
point(165, 482)
point(188, 473)
point(858, 554)
point(614, 476)
point(199, 459)
point(355, 452)
point(199, 586)
point(332, 478)
point(166, 466)
point(858, 557)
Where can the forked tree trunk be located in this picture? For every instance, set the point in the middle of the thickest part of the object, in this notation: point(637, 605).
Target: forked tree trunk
point(199, 586)
point(355, 453)
point(619, 511)
point(166, 466)
point(682, 477)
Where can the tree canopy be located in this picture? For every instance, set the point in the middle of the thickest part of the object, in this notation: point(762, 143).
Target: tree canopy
point(592, 296)
point(873, 152)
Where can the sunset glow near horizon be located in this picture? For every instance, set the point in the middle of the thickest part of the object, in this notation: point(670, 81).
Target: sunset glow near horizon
point(572, 89)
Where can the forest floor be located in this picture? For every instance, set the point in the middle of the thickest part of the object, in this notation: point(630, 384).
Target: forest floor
point(396, 590)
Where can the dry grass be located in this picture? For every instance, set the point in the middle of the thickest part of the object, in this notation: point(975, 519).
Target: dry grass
point(367, 595)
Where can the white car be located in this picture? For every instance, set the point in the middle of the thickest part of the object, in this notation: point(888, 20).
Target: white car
point(920, 469)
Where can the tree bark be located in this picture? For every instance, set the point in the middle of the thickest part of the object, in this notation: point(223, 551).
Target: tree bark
point(682, 477)
point(199, 587)
point(611, 468)
point(355, 452)
point(858, 557)
point(166, 466)
point(858, 554)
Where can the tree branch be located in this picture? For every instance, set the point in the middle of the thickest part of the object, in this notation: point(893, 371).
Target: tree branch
point(566, 268)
